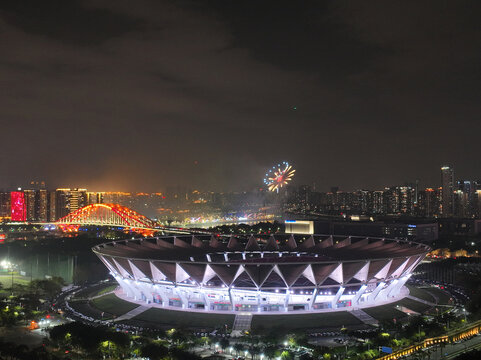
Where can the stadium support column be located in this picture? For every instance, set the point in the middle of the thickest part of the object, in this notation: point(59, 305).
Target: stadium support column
point(286, 301)
point(206, 300)
point(337, 297)
point(313, 299)
point(357, 297)
point(185, 304)
point(258, 301)
point(377, 290)
point(159, 289)
point(130, 289)
point(145, 289)
point(127, 290)
point(385, 293)
point(231, 298)
point(396, 289)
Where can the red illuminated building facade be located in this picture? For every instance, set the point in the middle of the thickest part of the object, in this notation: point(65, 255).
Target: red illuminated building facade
point(18, 206)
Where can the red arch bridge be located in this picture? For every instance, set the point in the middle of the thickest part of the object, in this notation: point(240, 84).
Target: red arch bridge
point(107, 215)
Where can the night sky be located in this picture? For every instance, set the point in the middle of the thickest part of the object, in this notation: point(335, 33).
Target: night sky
point(141, 95)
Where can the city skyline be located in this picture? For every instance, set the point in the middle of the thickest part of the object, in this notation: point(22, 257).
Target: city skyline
point(210, 95)
point(261, 185)
point(453, 199)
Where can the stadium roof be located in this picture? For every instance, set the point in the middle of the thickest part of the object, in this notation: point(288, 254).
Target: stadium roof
point(274, 249)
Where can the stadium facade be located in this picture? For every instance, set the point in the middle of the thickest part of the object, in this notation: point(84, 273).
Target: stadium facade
point(285, 273)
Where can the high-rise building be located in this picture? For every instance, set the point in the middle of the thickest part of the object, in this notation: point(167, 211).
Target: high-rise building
point(5, 211)
point(465, 200)
point(407, 199)
point(18, 206)
point(62, 203)
point(302, 197)
point(439, 197)
point(52, 206)
point(94, 197)
point(416, 195)
point(41, 208)
point(478, 203)
point(399, 200)
point(30, 204)
point(364, 200)
point(121, 198)
point(69, 200)
point(428, 204)
point(378, 202)
point(447, 198)
point(78, 199)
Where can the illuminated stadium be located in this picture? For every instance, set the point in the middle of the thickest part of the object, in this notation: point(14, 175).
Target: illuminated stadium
point(267, 275)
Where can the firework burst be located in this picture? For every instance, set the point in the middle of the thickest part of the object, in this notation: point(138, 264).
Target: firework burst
point(279, 176)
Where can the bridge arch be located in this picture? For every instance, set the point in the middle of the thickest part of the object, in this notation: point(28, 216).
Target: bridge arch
point(107, 215)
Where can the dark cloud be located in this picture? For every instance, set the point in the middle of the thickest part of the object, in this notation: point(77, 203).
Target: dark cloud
point(114, 96)
point(297, 36)
point(67, 21)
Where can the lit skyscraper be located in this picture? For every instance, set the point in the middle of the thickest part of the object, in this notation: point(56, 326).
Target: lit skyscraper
point(69, 200)
point(465, 199)
point(428, 204)
point(378, 202)
point(62, 203)
point(5, 211)
point(478, 203)
point(52, 206)
point(18, 206)
point(447, 199)
point(30, 204)
point(78, 199)
point(41, 208)
point(94, 197)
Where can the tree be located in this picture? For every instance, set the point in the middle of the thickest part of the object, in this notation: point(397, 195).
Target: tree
point(178, 354)
point(205, 340)
point(224, 343)
point(270, 352)
point(90, 339)
point(298, 340)
point(272, 337)
point(306, 356)
point(121, 342)
point(254, 350)
point(179, 336)
point(238, 347)
point(319, 351)
point(48, 288)
point(154, 351)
